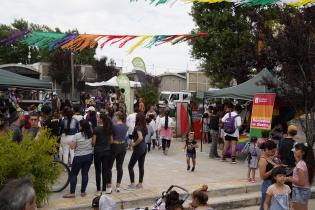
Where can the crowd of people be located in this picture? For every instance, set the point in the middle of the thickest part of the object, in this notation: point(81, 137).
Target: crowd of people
point(99, 129)
point(285, 166)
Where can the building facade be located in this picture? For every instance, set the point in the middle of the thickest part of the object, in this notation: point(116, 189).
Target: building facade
point(197, 81)
point(172, 82)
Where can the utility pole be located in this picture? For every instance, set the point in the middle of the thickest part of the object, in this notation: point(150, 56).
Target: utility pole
point(72, 77)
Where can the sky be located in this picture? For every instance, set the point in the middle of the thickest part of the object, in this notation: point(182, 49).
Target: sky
point(115, 17)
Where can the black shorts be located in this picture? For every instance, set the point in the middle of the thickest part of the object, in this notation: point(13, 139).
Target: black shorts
point(191, 155)
point(230, 138)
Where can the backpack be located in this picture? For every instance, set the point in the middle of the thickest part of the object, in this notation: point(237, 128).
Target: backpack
point(229, 124)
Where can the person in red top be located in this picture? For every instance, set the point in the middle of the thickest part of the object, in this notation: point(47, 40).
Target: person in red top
point(141, 105)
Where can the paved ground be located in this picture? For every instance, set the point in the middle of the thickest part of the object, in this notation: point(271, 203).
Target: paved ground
point(162, 171)
point(311, 206)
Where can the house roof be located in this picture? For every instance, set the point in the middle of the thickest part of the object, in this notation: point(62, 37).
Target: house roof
point(172, 74)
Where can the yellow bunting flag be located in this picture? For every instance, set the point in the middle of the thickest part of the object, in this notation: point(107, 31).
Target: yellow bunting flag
point(139, 43)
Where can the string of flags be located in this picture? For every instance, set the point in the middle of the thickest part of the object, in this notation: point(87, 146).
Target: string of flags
point(243, 3)
point(78, 42)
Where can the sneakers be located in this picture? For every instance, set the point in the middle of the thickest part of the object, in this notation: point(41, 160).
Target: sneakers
point(193, 169)
point(131, 187)
point(223, 159)
point(139, 186)
point(97, 193)
point(83, 194)
point(118, 188)
point(188, 168)
point(108, 190)
point(69, 195)
point(217, 156)
point(233, 160)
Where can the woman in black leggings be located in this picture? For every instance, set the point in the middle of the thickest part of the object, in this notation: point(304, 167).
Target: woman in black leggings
point(118, 147)
point(102, 139)
point(139, 151)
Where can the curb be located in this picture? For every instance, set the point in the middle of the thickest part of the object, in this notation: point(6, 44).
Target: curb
point(223, 198)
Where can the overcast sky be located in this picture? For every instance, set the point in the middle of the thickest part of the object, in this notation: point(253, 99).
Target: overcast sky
point(115, 17)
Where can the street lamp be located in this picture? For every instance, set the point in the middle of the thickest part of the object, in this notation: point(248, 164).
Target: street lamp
point(29, 55)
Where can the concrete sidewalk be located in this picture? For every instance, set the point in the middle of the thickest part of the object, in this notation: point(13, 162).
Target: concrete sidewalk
point(161, 172)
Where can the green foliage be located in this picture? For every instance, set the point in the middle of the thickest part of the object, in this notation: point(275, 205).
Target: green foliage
point(224, 52)
point(18, 52)
point(150, 94)
point(29, 158)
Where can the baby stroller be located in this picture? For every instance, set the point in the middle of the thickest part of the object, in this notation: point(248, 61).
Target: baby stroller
point(169, 196)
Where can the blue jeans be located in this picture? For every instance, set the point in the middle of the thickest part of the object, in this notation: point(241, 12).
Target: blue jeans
point(301, 195)
point(264, 186)
point(82, 163)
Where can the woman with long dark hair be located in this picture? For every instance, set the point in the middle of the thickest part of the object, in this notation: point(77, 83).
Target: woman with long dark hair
point(92, 116)
point(139, 151)
point(303, 175)
point(166, 131)
point(83, 157)
point(266, 166)
point(102, 139)
point(69, 127)
point(118, 148)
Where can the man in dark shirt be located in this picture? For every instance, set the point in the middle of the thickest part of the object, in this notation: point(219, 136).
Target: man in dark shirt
point(53, 123)
point(33, 120)
point(15, 126)
point(285, 147)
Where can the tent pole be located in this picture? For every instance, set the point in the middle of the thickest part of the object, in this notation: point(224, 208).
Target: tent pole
point(72, 76)
point(203, 111)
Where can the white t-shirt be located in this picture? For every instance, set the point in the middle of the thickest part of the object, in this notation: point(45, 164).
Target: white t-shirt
point(78, 117)
point(153, 125)
point(237, 121)
point(162, 123)
point(131, 122)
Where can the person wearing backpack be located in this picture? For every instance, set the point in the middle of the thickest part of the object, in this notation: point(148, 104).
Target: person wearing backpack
point(231, 124)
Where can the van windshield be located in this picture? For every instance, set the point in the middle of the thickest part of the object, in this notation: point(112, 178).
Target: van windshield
point(164, 96)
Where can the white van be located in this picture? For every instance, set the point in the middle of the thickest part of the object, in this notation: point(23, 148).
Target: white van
point(174, 97)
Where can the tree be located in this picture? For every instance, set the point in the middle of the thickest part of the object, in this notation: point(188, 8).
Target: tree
point(292, 48)
point(18, 52)
point(228, 51)
point(150, 93)
point(105, 69)
point(60, 69)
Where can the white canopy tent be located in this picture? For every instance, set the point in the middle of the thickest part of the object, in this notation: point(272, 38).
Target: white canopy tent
point(112, 82)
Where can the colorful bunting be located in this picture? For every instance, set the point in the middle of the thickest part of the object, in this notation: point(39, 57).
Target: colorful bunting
point(243, 3)
point(78, 42)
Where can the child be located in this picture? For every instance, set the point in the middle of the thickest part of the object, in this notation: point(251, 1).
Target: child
point(205, 127)
point(278, 194)
point(190, 147)
point(252, 151)
point(200, 199)
point(303, 175)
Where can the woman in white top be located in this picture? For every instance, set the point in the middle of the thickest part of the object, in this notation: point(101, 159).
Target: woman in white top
point(83, 157)
point(166, 131)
